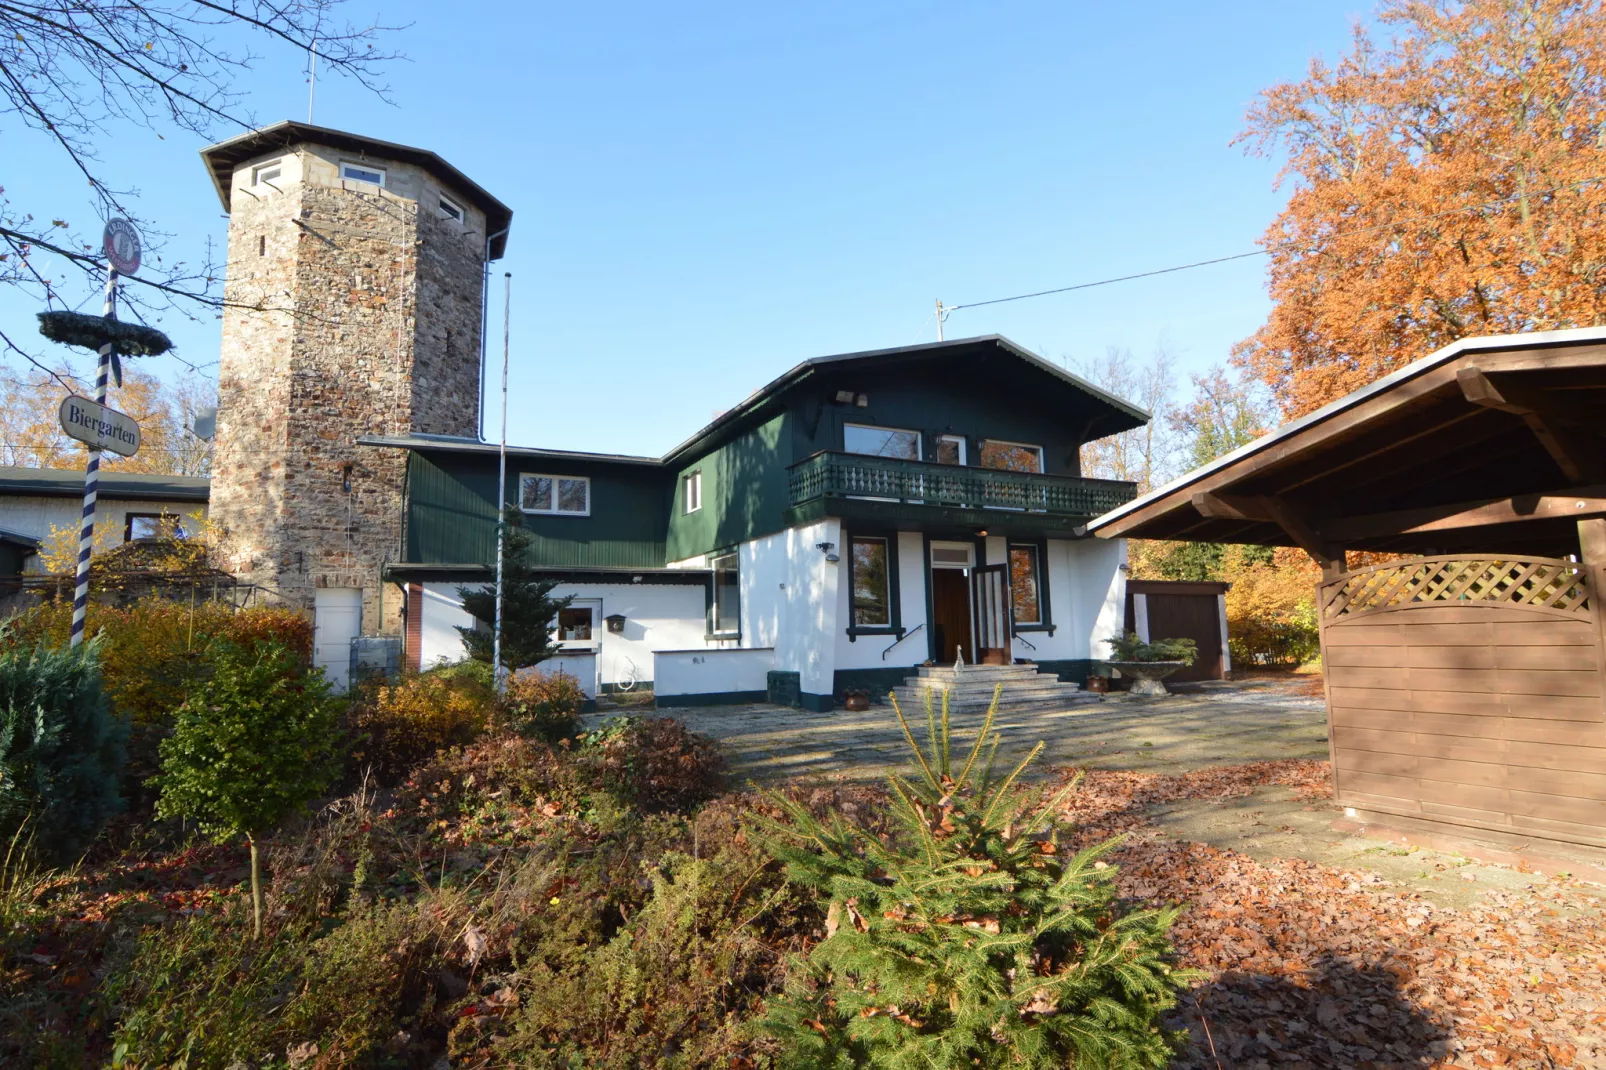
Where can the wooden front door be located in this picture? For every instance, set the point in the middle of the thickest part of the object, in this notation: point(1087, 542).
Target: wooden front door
point(989, 600)
point(950, 614)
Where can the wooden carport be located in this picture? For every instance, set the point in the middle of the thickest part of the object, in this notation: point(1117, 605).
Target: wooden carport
point(1466, 680)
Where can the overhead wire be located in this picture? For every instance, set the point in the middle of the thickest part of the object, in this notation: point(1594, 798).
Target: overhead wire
point(1269, 248)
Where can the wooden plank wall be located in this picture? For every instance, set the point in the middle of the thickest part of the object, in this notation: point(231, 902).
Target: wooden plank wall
point(1486, 715)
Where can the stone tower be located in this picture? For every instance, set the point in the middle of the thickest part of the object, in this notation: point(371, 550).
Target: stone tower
point(353, 308)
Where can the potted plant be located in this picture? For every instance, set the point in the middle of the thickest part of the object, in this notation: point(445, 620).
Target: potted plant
point(1148, 664)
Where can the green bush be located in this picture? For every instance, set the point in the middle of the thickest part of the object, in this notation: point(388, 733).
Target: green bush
point(543, 705)
point(1276, 642)
point(61, 749)
point(254, 742)
point(968, 938)
point(1129, 647)
point(395, 724)
point(653, 763)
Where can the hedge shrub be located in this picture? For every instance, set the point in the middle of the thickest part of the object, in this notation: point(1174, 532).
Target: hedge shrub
point(61, 748)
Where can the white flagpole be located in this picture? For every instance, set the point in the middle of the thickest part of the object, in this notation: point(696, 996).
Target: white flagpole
point(499, 674)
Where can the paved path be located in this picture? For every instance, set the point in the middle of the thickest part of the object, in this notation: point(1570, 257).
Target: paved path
point(1222, 725)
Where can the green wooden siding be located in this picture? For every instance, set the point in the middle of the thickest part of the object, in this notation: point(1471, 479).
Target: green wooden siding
point(451, 518)
point(744, 492)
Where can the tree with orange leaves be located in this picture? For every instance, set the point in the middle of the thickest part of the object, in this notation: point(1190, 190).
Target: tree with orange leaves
point(31, 435)
point(1448, 183)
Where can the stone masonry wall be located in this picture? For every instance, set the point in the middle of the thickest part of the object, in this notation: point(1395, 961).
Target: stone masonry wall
point(380, 337)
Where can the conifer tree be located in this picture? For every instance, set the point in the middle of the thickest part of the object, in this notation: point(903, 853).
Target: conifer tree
point(527, 611)
point(968, 938)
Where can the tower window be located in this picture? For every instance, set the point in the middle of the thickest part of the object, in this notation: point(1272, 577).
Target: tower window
point(450, 209)
point(361, 172)
point(262, 245)
point(267, 174)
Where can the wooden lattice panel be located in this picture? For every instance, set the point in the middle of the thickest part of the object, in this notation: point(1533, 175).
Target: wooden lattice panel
point(1544, 583)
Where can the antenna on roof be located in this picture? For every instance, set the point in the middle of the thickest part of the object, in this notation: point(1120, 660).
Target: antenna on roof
point(942, 314)
point(312, 78)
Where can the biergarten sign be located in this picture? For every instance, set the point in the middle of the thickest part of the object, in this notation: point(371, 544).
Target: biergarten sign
point(102, 428)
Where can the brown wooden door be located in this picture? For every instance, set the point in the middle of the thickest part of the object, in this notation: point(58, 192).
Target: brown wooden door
point(989, 601)
point(1189, 616)
point(950, 614)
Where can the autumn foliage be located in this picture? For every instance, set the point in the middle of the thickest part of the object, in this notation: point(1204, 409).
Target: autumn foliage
point(1448, 182)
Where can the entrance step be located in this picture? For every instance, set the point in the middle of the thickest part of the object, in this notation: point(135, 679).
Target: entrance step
point(970, 690)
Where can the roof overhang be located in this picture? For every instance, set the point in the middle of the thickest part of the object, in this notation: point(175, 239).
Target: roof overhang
point(224, 158)
point(1490, 443)
point(67, 483)
point(451, 444)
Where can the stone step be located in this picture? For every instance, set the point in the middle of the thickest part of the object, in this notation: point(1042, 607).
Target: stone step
point(913, 705)
point(948, 672)
point(1043, 681)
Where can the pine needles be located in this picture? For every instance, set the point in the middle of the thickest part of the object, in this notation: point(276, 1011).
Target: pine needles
point(967, 938)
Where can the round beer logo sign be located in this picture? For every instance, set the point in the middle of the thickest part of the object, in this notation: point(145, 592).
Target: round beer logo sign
point(121, 242)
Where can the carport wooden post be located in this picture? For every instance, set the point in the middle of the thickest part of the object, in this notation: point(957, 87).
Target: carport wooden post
point(1592, 552)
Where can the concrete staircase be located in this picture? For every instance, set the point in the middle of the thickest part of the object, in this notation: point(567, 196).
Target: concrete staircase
point(970, 689)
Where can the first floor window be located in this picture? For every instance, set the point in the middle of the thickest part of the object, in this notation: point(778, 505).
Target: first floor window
point(950, 449)
point(1011, 456)
point(727, 611)
point(1024, 584)
point(574, 624)
point(563, 495)
point(871, 582)
point(693, 495)
point(881, 442)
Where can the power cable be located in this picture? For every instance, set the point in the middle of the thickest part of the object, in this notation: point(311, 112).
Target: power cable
point(1275, 245)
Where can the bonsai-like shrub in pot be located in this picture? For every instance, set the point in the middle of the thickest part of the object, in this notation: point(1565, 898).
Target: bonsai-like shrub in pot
point(1148, 664)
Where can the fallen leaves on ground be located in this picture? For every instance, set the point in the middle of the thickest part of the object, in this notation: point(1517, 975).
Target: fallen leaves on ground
point(1310, 965)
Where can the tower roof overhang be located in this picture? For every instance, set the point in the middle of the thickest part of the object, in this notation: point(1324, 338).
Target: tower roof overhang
point(225, 157)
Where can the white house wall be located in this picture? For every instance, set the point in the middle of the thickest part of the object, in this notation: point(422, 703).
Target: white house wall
point(790, 597)
point(1088, 594)
point(682, 674)
point(657, 617)
point(37, 516)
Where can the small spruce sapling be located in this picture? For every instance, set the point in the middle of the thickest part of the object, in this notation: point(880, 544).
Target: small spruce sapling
point(968, 938)
point(253, 743)
point(528, 614)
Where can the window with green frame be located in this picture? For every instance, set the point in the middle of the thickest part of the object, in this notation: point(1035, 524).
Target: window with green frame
point(1026, 583)
point(725, 614)
point(870, 565)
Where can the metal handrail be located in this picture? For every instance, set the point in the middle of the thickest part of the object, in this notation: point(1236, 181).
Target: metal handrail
point(830, 474)
point(901, 638)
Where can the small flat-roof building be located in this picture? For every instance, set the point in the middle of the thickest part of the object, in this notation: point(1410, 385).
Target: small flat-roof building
point(1466, 684)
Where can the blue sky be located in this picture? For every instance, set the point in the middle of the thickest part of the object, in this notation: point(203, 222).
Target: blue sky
point(706, 193)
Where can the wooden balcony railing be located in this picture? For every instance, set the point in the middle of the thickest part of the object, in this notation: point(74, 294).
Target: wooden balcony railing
point(852, 475)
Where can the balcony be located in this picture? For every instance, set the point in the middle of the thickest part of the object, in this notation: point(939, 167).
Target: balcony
point(850, 484)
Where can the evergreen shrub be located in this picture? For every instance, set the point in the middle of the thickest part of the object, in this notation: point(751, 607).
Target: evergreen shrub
point(61, 748)
point(969, 937)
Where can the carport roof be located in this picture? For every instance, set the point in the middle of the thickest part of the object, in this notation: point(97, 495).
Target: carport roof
point(1490, 444)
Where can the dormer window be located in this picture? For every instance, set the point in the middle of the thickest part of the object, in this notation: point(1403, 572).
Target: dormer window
point(450, 209)
point(267, 174)
point(362, 172)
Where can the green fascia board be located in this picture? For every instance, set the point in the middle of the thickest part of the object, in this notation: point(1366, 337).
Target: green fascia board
point(938, 519)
